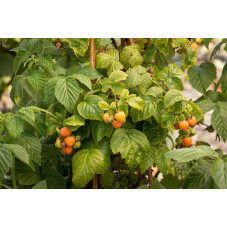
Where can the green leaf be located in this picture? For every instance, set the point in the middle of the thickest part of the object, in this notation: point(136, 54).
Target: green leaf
point(131, 144)
point(89, 108)
point(46, 61)
point(99, 129)
point(103, 105)
point(196, 111)
point(103, 60)
point(161, 161)
point(131, 56)
point(32, 145)
point(216, 49)
point(168, 119)
point(14, 125)
point(27, 112)
point(87, 71)
point(6, 160)
point(190, 58)
point(179, 42)
point(85, 164)
point(17, 88)
point(122, 106)
point(108, 60)
point(199, 177)
point(20, 58)
point(150, 53)
point(206, 105)
point(154, 91)
point(67, 92)
point(83, 79)
point(154, 132)
point(19, 152)
point(117, 87)
point(79, 46)
point(206, 42)
point(162, 44)
point(48, 91)
point(53, 178)
point(117, 76)
point(171, 97)
point(124, 94)
point(38, 81)
point(147, 159)
point(201, 77)
point(149, 107)
point(146, 83)
point(74, 120)
point(25, 175)
point(135, 76)
point(160, 110)
point(107, 179)
point(171, 182)
point(189, 154)
point(219, 119)
point(170, 76)
point(104, 147)
point(179, 107)
point(41, 185)
point(135, 102)
point(219, 173)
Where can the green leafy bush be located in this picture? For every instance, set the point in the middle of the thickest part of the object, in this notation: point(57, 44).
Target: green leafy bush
point(55, 86)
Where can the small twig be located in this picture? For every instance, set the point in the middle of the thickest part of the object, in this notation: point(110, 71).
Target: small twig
point(114, 42)
point(140, 176)
point(150, 177)
point(122, 43)
point(5, 186)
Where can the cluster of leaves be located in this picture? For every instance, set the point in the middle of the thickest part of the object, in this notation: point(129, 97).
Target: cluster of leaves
point(55, 86)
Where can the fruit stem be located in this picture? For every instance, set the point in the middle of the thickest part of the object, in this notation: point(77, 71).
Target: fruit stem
point(13, 174)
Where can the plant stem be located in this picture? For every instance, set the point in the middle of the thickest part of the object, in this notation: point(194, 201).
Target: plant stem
point(13, 174)
point(171, 139)
point(150, 177)
point(5, 186)
point(92, 52)
point(92, 61)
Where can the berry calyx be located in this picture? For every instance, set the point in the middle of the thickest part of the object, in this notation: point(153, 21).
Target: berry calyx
point(184, 125)
point(69, 141)
point(65, 132)
point(176, 126)
point(117, 124)
point(105, 117)
point(67, 150)
point(187, 141)
point(194, 46)
point(120, 116)
point(192, 122)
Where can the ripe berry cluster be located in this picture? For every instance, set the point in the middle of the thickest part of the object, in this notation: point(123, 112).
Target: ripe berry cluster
point(185, 132)
point(117, 120)
point(67, 141)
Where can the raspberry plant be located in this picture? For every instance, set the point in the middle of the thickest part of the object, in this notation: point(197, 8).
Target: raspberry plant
point(81, 84)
